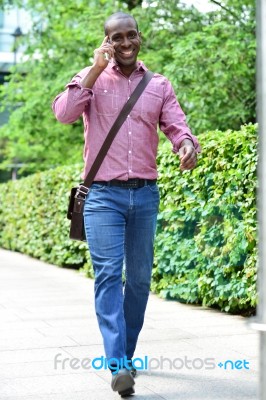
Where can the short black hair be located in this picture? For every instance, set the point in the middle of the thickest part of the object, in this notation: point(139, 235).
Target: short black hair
point(118, 15)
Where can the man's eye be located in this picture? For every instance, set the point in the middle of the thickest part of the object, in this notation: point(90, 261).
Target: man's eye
point(118, 39)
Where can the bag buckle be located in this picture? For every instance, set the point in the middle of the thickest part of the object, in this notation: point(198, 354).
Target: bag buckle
point(81, 192)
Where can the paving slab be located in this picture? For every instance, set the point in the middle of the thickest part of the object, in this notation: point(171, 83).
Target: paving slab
point(48, 332)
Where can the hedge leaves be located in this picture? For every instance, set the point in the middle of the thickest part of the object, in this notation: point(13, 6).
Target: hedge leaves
point(206, 246)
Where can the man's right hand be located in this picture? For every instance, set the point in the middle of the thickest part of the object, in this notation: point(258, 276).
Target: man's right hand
point(99, 58)
point(99, 65)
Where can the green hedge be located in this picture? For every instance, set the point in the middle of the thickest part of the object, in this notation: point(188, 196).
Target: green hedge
point(206, 237)
point(206, 248)
point(33, 217)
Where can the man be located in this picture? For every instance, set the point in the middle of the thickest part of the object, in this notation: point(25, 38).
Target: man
point(122, 205)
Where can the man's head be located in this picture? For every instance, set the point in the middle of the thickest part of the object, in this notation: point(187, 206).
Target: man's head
point(122, 30)
point(118, 16)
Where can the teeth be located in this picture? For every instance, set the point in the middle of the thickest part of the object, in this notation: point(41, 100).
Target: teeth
point(127, 53)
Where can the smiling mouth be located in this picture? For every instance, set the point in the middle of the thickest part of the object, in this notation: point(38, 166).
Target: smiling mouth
point(127, 53)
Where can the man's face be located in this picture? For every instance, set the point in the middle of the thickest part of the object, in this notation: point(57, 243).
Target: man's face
point(126, 40)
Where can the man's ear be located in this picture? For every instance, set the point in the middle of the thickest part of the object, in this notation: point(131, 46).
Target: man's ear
point(140, 37)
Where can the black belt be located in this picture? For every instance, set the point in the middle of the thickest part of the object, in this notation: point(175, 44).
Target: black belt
point(129, 184)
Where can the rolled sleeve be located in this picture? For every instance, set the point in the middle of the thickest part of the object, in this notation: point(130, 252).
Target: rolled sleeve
point(82, 90)
point(177, 144)
point(69, 105)
point(173, 121)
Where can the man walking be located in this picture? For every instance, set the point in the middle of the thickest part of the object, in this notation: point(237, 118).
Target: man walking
point(121, 208)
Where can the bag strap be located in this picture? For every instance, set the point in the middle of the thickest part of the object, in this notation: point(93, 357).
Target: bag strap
point(115, 128)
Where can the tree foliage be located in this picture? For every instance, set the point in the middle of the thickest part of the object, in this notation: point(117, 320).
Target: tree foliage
point(209, 58)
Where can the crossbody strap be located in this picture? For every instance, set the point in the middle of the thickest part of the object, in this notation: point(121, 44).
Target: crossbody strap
point(116, 126)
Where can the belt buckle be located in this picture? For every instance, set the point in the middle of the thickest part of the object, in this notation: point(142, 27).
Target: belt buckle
point(134, 184)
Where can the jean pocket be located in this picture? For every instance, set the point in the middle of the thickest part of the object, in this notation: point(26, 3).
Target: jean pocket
point(153, 188)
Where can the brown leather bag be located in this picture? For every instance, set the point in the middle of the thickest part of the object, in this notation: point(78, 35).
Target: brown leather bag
point(78, 194)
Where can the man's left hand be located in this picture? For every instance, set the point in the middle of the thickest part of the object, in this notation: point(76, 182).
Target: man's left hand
point(187, 155)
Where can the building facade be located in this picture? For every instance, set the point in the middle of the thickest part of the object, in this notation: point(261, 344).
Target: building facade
point(13, 23)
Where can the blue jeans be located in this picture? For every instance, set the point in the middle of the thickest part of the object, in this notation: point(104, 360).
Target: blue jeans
point(120, 227)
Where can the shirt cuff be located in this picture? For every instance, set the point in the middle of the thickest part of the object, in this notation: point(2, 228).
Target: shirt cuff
point(177, 144)
point(82, 89)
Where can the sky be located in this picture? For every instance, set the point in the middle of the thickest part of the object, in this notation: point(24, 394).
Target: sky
point(201, 5)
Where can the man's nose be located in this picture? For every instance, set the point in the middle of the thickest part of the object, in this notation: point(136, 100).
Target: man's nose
point(126, 42)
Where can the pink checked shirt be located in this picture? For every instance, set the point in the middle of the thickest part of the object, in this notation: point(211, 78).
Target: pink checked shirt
point(133, 152)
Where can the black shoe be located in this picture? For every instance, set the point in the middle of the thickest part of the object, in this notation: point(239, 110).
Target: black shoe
point(128, 392)
point(123, 382)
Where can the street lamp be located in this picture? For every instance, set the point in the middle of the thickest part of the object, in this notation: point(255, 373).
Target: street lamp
point(17, 34)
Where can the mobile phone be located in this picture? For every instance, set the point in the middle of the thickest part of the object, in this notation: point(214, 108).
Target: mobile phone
point(106, 56)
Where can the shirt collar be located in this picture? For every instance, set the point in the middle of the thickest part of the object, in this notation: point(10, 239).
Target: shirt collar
point(140, 65)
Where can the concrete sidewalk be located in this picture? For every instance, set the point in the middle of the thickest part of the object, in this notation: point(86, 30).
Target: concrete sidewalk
point(47, 311)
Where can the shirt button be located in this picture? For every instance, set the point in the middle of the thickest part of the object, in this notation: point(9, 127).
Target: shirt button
point(129, 81)
point(129, 151)
point(129, 133)
point(130, 170)
point(128, 116)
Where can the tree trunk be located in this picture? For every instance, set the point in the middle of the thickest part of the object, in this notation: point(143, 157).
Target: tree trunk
point(133, 3)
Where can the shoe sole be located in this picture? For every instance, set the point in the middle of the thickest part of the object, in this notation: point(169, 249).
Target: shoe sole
point(128, 392)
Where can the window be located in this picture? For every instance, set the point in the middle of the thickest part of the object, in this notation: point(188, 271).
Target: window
point(1, 19)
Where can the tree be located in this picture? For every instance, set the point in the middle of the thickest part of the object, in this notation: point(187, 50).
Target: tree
point(32, 134)
point(209, 58)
